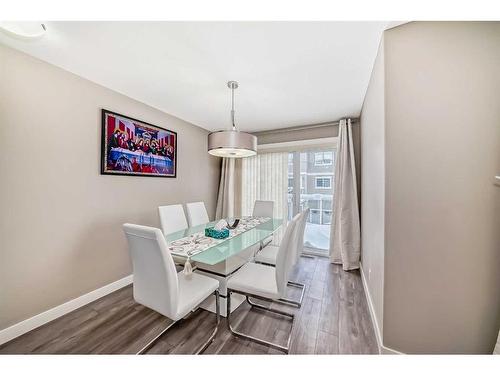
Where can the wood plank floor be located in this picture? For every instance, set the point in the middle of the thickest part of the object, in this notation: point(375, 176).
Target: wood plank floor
point(333, 319)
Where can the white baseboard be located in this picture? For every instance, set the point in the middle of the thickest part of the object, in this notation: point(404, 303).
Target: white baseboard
point(36, 321)
point(382, 349)
point(378, 333)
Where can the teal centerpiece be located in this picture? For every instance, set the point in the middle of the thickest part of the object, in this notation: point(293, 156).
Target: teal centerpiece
point(219, 234)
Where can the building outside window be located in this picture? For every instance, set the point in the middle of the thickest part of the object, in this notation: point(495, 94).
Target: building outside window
point(323, 158)
point(303, 183)
point(323, 182)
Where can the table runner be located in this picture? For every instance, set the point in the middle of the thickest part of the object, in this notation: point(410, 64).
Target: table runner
point(198, 242)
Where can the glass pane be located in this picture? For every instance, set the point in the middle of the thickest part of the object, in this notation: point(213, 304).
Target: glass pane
point(316, 193)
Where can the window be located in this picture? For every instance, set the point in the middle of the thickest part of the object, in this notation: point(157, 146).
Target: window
point(315, 218)
point(315, 193)
point(323, 182)
point(323, 158)
point(327, 217)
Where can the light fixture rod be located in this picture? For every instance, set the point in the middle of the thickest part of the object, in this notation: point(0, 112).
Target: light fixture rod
point(232, 108)
point(232, 85)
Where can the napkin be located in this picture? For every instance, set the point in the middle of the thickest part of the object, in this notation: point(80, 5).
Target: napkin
point(221, 224)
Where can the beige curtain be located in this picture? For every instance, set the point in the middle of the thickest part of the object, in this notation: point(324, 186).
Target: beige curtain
point(229, 196)
point(265, 177)
point(345, 230)
point(497, 346)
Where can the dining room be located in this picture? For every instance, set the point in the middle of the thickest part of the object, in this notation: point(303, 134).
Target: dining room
point(217, 241)
point(286, 195)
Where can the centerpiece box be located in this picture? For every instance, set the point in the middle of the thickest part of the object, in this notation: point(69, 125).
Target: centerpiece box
point(214, 233)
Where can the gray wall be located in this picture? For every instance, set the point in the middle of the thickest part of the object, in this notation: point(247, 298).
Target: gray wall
point(373, 187)
point(442, 207)
point(60, 228)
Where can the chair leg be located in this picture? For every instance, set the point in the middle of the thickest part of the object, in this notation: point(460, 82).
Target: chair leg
point(205, 344)
point(307, 256)
point(150, 344)
point(286, 348)
point(212, 336)
point(270, 309)
point(293, 302)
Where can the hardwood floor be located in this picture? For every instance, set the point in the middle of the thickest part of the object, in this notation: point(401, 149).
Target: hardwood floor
point(333, 319)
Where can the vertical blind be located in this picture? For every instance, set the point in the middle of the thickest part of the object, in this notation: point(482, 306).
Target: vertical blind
point(265, 177)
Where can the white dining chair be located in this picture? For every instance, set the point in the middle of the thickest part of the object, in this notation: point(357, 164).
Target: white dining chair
point(172, 218)
point(266, 283)
point(157, 284)
point(269, 254)
point(197, 213)
point(264, 209)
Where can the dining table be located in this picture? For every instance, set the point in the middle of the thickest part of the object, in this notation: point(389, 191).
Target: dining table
point(223, 258)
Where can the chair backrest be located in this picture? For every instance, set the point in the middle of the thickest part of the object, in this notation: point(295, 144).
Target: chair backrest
point(172, 218)
point(286, 255)
point(197, 213)
point(155, 278)
point(263, 209)
point(301, 227)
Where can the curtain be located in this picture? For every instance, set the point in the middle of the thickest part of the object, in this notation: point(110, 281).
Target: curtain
point(265, 177)
point(345, 227)
point(497, 346)
point(229, 195)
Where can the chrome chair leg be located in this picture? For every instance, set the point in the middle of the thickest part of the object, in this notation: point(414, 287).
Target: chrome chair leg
point(205, 344)
point(291, 301)
point(212, 336)
point(151, 343)
point(286, 348)
point(307, 256)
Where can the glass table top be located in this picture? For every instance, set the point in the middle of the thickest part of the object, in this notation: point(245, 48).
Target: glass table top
point(230, 247)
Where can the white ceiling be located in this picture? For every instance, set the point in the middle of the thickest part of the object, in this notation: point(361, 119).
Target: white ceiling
point(290, 73)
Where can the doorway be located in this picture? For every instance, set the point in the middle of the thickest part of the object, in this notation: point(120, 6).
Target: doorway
point(311, 185)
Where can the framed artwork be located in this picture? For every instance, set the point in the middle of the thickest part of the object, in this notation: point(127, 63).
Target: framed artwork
point(132, 147)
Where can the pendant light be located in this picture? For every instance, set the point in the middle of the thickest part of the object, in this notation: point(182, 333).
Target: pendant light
point(23, 30)
point(232, 143)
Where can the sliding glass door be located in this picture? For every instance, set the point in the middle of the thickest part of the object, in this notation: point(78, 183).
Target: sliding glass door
point(310, 185)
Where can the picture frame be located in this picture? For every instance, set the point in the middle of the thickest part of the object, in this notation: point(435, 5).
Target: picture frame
point(132, 147)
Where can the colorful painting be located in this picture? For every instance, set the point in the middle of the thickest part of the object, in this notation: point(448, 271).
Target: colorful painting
point(135, 148)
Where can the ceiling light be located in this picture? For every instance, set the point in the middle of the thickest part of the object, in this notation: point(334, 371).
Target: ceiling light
point(23, 30)
point(232, 143)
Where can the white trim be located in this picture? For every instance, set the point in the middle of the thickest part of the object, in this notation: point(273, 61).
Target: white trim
point(378, 333)
point(36, 321)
